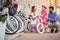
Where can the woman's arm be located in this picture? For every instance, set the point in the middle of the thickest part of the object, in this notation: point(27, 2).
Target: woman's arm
point(33, 18)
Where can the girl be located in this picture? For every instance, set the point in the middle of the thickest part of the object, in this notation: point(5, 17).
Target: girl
point(44, 16)
point(34, 18)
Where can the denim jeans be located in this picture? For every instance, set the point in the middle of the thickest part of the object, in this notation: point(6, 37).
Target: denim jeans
point(53, 25)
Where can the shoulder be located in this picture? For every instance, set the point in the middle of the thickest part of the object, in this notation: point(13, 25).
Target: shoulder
point(55, 13)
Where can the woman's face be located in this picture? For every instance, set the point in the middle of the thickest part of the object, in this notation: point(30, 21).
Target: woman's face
point(35, 9)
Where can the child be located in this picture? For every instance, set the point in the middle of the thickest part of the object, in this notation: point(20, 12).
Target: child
point(44, 16)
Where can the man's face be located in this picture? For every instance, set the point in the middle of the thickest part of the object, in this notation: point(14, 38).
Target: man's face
point(50, 10)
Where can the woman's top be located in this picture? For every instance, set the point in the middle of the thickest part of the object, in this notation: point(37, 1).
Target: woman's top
point(35, 18)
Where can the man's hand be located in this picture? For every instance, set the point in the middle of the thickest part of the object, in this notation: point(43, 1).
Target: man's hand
point(47, 19)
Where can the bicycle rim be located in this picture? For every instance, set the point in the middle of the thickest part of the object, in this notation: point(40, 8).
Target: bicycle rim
point(40, 28)
point(11, 25)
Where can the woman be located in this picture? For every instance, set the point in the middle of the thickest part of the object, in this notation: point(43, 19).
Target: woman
point(34, 18)
point(44, 16)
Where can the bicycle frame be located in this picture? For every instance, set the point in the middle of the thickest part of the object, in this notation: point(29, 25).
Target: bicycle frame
point(40, 24)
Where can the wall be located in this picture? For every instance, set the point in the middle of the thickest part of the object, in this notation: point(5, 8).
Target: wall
point(56, 4)
point(26, 5)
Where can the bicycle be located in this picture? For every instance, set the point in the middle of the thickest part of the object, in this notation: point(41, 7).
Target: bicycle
point(13, 24)
point(16, 23)
point(40, 27)
point(26, 21)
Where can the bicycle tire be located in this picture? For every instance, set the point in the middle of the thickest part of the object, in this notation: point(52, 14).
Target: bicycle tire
point(40, 28)
point(9, 28)
point(21, 24)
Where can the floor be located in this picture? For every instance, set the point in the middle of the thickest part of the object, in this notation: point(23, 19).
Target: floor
point(35, 36)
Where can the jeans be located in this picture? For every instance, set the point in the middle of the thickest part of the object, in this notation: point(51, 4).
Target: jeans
point(53, 25)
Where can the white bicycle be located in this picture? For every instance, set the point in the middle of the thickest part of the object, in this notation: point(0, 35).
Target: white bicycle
point(13, 24)
point(40, 27)
point(16, 24)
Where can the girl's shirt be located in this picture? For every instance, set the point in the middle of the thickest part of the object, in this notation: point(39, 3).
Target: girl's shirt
point(44, 16)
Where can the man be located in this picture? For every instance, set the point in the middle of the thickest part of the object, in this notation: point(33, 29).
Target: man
point(53, 18)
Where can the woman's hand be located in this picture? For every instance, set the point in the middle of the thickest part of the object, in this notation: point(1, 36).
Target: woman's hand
point(35, 18)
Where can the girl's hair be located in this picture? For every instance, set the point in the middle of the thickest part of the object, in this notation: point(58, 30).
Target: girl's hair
point(32, 9)
point(44, 6)
point(14, 0)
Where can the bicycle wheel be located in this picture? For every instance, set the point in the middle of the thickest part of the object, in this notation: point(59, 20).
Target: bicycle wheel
point(21, 24)
point(40, 28)
point(12, 26)
point(29, 26)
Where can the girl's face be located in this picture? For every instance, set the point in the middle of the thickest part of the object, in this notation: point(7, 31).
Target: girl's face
point(43, 8)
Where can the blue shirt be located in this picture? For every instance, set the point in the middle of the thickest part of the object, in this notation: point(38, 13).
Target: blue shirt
point(52, 17)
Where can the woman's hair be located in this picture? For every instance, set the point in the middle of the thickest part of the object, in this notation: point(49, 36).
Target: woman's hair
point(32, 9)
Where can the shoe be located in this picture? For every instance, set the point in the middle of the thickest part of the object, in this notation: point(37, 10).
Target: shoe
point(56, 31)
point(52, 30)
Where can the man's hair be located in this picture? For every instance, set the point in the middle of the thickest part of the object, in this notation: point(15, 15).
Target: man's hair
point(51, 7)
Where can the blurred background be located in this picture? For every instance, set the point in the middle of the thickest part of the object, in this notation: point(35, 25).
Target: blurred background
point(26, 5)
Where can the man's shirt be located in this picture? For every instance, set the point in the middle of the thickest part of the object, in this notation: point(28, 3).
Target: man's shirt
point(52, 17)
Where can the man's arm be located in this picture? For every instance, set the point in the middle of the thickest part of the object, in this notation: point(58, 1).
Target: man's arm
point(55, 17)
